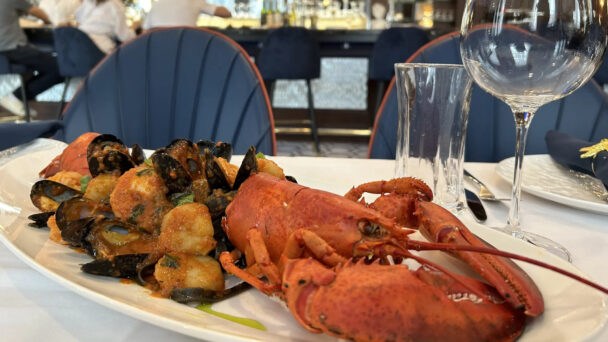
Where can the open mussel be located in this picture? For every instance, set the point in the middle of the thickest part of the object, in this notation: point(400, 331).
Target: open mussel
point(176, 178)
point(79, 209)
point(108, 154)
point(218, 149)
point(110, 237)
point(46, 194)
point(188, 155)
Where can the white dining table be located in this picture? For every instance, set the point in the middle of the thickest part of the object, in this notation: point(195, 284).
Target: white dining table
point(35, 308)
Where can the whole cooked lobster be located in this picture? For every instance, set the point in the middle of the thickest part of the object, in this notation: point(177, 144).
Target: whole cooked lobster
point(306, 243)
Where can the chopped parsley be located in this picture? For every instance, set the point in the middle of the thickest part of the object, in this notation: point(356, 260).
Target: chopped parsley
point(143, 172)
point(148, 162)
point(260, 155)
point(135, 212)
point(182, 198)
point(84, 182)
point(170, 261)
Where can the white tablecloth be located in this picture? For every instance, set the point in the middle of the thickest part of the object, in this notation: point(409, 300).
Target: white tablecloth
point(34, 308)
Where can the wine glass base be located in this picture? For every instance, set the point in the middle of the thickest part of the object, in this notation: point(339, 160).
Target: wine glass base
point(539, 241)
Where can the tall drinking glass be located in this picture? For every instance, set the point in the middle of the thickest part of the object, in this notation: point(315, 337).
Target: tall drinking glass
point(528, 53)
point(433, 104)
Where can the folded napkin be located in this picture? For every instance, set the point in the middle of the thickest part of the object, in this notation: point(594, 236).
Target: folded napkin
point(565, 150)
point(13, 134)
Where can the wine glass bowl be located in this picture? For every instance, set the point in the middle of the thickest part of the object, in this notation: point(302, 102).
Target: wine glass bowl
point(528, 53)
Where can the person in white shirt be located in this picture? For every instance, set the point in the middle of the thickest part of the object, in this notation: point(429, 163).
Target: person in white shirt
point(59, 11)
point(105, 22)
point(165, 13)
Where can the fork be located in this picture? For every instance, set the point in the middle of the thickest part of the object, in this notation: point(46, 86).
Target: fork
point(484, 193)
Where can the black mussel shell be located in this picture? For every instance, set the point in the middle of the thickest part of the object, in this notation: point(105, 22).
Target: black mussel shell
point(219, 149)
point(78, 208)
point(109, 237)
point(173, 174)
point(75, 233)
point(215, 174)
point(53, 190)
point(137, 154)
point(217, 202)
point(291, 179)
point(186, 153)
point(200, 295)
point(39, 220)
point(120, 266)
point(248, 167)
point(106, 153)
point(111, 161)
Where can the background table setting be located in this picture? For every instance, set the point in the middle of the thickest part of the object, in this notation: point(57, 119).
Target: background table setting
point(71, 306)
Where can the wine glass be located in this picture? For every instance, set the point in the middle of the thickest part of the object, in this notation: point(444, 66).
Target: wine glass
point(528, 53)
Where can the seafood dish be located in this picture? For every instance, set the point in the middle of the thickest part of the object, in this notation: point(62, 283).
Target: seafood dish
point(179, 221)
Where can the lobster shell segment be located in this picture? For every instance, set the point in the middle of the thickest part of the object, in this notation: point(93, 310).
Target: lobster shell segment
point(391, 303)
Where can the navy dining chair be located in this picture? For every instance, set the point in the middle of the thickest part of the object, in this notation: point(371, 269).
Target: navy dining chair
point(394, 45)
point(175, 83)
point(13, 134)
point(491, 128)
point(76, 55)
point(292, 53)
point(8, 68)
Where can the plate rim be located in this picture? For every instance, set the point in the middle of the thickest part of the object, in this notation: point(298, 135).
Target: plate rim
point(195, 331)
point(595, 207)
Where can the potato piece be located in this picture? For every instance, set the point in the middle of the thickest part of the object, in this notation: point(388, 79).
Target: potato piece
point(139, 198)
point(69, 178)
point(180, 270)
point(270, 167)
point(187, 228)
point(101, 186)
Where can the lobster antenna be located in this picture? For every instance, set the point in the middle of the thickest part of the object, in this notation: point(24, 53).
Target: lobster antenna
point(429, 246)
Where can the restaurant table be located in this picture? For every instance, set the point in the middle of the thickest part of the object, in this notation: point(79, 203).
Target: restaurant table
point(34, 308)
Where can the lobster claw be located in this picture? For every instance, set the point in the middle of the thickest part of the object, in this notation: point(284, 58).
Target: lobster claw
point(514, 285)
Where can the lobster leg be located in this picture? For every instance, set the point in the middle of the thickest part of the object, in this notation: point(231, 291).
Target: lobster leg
point(403, 186)
point(303, 239)
point(228, 261)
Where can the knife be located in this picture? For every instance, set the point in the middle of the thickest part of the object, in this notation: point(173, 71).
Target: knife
point(474, 204)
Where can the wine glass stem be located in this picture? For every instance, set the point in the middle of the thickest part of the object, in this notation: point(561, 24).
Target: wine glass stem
point(522, 122)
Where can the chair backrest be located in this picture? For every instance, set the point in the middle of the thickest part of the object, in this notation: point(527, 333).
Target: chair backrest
point(491, 127)
point(175, 83)
point(601, 75)
point(76, 52)
point(394, 45)
point(5, 66)
point(289, 53)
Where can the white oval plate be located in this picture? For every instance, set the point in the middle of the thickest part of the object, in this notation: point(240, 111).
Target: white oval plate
point(543, 177)
point(574, 312)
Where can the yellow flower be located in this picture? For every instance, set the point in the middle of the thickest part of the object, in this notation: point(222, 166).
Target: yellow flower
point(592, 151)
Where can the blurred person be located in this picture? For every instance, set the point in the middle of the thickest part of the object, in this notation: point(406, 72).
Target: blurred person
point(14, 46)
point(59, 11)
point(105, 22)
point(166, 13)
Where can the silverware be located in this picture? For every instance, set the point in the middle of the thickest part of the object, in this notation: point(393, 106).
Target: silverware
point(474, 204)
point(484, 193)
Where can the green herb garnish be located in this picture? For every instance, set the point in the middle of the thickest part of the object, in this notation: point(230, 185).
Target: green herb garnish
point(143, 172)
point(206, 307)
point(135, 212)
point(170, 261)
point(260, 155)
point(182, 198)
point(148, 162)
point(84, 182)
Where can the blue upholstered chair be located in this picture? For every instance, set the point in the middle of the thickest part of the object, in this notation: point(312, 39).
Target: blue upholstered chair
point(8, 68)
point(13, 134)
point(491, 128)
point(601, 75)
point(291, 53)
point(394, 45)
point(76, 55)
point(175, 83)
